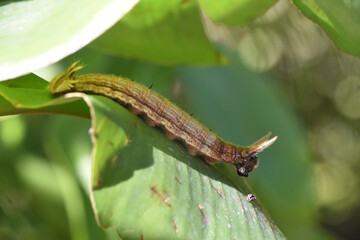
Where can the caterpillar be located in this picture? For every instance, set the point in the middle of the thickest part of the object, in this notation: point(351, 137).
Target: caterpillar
point(159, 111)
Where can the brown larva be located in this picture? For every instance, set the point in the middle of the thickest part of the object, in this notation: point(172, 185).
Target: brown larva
point(159, 111)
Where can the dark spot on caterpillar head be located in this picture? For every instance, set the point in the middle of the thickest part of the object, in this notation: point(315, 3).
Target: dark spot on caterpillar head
point(244, 167)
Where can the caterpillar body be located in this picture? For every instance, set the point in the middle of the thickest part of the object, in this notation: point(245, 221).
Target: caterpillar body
point(159, 111)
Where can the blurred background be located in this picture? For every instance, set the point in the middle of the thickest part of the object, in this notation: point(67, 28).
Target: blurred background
point(284, 75)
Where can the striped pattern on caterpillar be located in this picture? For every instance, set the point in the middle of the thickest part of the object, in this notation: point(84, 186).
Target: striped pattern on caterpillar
point(159, 111)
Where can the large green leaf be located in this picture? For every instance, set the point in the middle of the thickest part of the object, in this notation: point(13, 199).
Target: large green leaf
point(241, 106)
point(36, 33)
point(340, 19)
point(139, 177)
point(162, 31)
point(239, 12)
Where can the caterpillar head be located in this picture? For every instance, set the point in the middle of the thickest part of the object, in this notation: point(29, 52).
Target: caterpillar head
point(246, 160)
point(248, 164)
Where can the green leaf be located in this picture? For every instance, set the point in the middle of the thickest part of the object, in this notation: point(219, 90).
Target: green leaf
point(36, 33)
point(162, 31)
point(340, 20)
point(140, 177)
point(238, 12)
point(241, 106)
point(29, 94)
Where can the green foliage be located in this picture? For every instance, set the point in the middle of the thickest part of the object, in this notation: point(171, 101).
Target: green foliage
point(161, 180)
point(141, 183)
point(37, 33)
point(173, 31)
point(340, 19)
point(29, 94)
point(188, 198)
point(238, 12)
